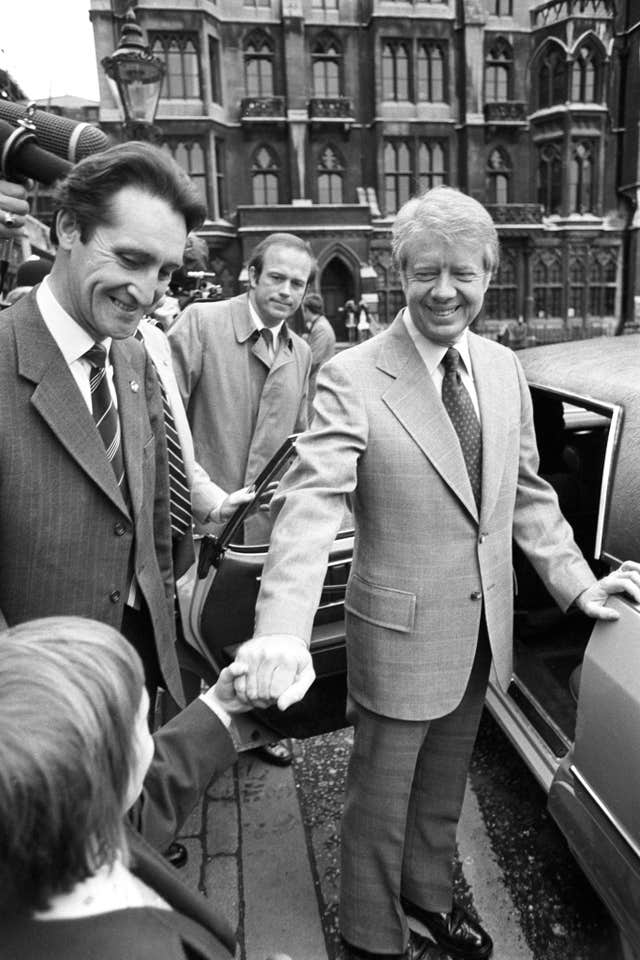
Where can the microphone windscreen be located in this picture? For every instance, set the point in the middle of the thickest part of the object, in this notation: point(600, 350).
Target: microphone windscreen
point(69, 139)
point(22, 157)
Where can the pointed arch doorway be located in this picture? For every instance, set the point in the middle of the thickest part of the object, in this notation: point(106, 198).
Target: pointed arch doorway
point(336, 286)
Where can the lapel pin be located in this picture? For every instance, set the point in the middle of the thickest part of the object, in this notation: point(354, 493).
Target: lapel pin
point(135, 386)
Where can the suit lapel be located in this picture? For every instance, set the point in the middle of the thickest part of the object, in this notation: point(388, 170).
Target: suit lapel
point(58, 401)
point(493, 413)
point(414, 401)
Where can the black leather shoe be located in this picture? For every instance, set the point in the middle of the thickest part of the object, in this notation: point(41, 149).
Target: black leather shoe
point(456, 932)
point(280, 753)
point(176, 854)
point(419, 949)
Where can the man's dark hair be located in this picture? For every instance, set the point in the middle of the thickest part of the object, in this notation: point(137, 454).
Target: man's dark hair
point(280, 240)
point(314, 303)
point(87, 191)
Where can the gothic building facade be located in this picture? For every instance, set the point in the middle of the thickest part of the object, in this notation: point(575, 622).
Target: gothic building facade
point(323, 116)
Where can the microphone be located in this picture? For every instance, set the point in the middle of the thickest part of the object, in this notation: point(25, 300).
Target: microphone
point(69, 139)
point(20, 157)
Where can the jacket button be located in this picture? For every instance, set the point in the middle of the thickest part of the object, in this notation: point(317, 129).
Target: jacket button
point(114, 596)
point(119, 529)
point(476, 595)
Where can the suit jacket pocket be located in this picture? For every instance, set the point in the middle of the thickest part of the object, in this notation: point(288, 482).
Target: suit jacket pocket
point(383, 606)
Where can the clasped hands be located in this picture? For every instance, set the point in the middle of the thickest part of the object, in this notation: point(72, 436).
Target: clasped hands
point(275, 669)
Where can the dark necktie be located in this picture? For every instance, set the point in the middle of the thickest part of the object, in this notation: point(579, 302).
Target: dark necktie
point(104, 410)
point(179, 498)
point(459, 406)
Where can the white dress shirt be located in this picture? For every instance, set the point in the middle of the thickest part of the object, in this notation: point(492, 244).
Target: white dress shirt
point(73, 341)
point(275, 331)
point(433, 353)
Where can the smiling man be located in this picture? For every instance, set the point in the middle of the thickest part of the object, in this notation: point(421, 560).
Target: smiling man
point(427, 432)
point(84, 499)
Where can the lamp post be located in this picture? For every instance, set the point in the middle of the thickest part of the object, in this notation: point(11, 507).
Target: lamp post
point(135, 77)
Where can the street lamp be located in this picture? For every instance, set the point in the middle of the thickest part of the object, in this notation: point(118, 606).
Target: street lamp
point(135, 77)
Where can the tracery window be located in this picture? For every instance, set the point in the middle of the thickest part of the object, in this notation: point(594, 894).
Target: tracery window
point(552, 77)
point(397, 174)
point(191, 156)
point(549, 176)
point(395, 71)
point(432, 165)
point(431, 72)
point(585, 76)
point(498, 176)
point(581, 178)
point(179, 53)
point(498, 67)
point(265, 176)
point(326, 59)
point(547, 285)
point(258, 65)
point(330, 171)
point(501, 296)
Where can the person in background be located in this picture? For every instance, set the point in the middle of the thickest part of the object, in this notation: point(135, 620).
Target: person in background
point(88, 797)
point(427, 431)
point(81, 408)
point(321, 339)
point(14, 208)
point(364, 323)
point(243, 377)
point(350, 320)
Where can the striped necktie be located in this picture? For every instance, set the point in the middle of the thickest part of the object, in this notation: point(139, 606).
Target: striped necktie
point(179, 497)
point(459, 406)
point(104, 410)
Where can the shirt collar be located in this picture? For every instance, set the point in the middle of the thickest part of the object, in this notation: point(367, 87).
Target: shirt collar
point(259, 325)
point(72, 339)
point(433, 353)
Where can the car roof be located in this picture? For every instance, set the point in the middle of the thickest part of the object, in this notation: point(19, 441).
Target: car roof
point(604, 369)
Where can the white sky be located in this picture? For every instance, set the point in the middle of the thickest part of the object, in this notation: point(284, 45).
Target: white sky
point(47, 46)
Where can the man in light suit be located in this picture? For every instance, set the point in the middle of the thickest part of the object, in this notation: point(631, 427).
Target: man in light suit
point(84, 525)
point(427, 430)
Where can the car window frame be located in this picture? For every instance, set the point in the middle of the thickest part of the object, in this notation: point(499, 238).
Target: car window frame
point(614, 413)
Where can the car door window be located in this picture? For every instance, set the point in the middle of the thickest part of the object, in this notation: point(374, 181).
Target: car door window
point(574, 438)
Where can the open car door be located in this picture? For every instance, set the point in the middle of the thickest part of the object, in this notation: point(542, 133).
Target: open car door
point(223, 599)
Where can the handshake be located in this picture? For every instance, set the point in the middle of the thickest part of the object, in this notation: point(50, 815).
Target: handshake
point(268, 669)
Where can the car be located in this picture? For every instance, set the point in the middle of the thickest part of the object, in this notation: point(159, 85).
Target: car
point(572, 710)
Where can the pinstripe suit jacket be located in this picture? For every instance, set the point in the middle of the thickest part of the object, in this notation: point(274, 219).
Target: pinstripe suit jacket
point(68, 541)
point(425, 563)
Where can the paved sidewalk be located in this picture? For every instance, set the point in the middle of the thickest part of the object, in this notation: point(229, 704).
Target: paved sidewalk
point(248, 853)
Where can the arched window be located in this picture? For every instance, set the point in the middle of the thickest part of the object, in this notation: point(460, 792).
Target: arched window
point(603, 272)
point(330, 169)
point(190, 155)
point(577, 287)
point(498, 68)
point(550, 178)
point(395, 71)
point(498, 176)
point(179, 52)
point(397, 174)
point(552, 78)
point(264, 176)
point(585, 76)
point(432, 166)
point(547, 285)
point(258, 65)
point(581, 178)
point(431, 72)
point(501, 298)
point(326, 59)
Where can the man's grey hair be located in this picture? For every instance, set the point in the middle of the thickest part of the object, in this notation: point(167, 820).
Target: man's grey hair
point(444, 215)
